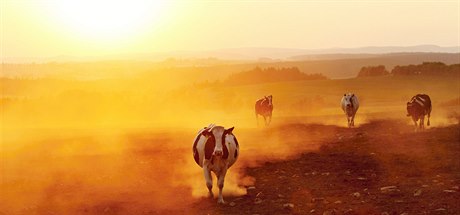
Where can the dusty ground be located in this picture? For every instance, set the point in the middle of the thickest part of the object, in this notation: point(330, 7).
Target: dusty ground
point(347, 175)
point(291, 168)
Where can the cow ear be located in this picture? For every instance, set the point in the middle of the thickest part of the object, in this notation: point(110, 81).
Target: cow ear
point(345, 94)
point(229, 131)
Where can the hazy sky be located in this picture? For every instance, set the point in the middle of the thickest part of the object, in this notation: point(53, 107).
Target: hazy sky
point(42, 28)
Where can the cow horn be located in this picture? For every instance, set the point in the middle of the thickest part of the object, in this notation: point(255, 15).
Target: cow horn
point(210, 126)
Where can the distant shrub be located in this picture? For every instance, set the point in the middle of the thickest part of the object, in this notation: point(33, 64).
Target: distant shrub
point(370, 71)
point(271, 74)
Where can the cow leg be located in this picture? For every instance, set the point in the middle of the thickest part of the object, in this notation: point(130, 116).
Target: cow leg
point(269, 119)
point(265, 120)
point(415, 122)
point(422, 122)
point(428, 123)
point(208, 178)
point(353, 120)
point(257, 119)
point(220, 184)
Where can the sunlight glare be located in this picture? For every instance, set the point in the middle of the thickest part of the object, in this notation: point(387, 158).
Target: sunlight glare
point(108, 20)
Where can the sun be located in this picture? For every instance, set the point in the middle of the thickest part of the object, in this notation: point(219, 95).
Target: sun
point(108, 19)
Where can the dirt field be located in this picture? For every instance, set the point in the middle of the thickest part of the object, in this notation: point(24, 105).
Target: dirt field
point(349, 173)
point(292, 168)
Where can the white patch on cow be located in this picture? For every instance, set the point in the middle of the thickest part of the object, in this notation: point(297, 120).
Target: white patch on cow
point(420, 102)
point(200, 148)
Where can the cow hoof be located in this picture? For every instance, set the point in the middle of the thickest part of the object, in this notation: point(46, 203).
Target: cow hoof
point(211, 195)
point(220, 201)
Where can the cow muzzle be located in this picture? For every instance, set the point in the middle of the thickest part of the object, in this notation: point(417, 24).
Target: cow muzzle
point(218, 153)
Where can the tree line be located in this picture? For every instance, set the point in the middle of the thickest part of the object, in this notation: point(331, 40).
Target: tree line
point(426, 68)
point(271, 74)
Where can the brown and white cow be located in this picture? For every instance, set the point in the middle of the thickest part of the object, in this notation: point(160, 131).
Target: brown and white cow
point(215, 149)
point(264, 107)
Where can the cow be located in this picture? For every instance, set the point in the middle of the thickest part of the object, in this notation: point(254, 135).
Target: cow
point(264, 107)
point(418, 107)
point(350, 105)
point(215, 149)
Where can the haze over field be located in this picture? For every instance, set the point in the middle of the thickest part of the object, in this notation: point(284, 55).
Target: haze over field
point(100, 101)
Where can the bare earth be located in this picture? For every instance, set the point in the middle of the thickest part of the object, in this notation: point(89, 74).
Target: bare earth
point(380, 167)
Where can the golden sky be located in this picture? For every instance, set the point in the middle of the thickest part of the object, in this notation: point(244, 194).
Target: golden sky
point(44, 28)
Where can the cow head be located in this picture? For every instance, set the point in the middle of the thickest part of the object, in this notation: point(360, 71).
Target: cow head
point(348, 101)
point(269, 98)
point(219, 133)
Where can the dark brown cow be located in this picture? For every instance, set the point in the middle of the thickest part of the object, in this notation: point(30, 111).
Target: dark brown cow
point(418, 107)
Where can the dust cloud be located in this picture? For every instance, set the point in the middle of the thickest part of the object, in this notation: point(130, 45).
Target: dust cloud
point(136, 171)
point(123, 145)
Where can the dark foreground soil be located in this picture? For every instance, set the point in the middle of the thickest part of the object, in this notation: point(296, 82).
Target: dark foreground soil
point(382, 167)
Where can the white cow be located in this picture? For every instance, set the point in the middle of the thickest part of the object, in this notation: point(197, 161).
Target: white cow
point(215, 149)
point(350, 106)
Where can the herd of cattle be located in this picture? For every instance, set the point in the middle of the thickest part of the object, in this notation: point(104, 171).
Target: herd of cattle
point(215, 149)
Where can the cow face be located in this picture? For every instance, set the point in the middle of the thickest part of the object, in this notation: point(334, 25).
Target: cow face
point(348, 99)
point(269, 98)
point(219, 133)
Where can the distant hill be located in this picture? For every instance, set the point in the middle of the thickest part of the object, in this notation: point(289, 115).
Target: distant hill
point(373, 51)
point(343, 68)
point(210, 69)
point(250, 54)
